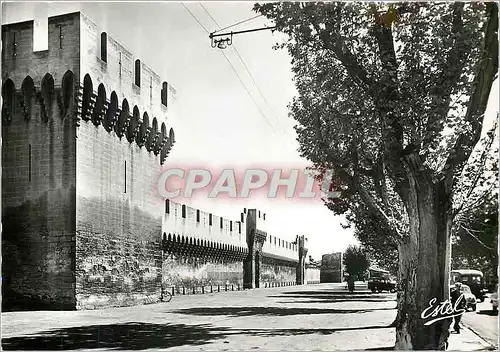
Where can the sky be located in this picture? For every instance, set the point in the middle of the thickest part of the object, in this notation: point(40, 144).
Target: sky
point(231, 106)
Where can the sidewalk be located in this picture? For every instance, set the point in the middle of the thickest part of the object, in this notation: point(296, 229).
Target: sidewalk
point(467, 340)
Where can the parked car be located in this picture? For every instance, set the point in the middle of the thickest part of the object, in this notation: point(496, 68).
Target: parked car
point(470, 298)
point(379, 284)
point(473, 279)
point(494, 299)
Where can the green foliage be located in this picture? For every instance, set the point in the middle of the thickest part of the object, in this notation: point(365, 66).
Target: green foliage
point(381, 84)
point(356, 261)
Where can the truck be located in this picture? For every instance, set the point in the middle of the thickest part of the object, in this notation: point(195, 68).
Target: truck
point(380, 280)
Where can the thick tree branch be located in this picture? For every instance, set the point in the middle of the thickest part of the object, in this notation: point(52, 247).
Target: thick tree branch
point(469, 232)
point(334, 42)
point(340, 172)
point(380, 184)
point(477, 106)
point(479, 169)
point(449, 77)
point(387, 100)
point(353, 180)
point(370, 202)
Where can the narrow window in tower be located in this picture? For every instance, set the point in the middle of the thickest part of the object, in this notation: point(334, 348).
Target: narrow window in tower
point(183, 211)
point(221, 223)
point(167, 206)
point(41, 32)
point(104, 47)
point(164, 94)
point(125, 174)
point(138, 73)
point(120, 63)
point(60, 36)
point(209, 219)
point(29, 162)
point(197, 215)
point(230, 226)
point(151, 88)
point(14, 44)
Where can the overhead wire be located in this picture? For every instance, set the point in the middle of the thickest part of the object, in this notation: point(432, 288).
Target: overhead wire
point(243, 62)
point(234, 70)
point(195, 18)
point(233, 25)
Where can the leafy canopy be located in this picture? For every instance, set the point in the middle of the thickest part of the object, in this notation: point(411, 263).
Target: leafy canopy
point(356, 261)
point(384, 91)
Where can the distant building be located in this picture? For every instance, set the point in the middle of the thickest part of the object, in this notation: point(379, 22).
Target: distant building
point(313, 271)
point(331, 267)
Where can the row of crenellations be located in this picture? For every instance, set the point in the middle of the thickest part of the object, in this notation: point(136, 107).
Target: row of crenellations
point(184, 220)
point(75, 42)
point(188, 221)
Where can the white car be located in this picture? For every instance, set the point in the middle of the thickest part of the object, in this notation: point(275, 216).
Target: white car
point(494, 299)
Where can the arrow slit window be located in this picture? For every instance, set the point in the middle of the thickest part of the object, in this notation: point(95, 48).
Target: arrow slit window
point(138, 73)
point(104, 47)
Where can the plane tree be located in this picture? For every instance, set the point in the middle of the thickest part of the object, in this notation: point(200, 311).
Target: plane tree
point(393, 96)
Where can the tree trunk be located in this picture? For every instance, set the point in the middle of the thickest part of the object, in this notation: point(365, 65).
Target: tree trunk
point(424, 259)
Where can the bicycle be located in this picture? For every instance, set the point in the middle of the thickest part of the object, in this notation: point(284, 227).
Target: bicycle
point(165, 296)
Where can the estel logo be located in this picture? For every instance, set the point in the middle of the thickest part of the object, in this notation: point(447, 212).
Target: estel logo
point(444, 310)
point(176, 182)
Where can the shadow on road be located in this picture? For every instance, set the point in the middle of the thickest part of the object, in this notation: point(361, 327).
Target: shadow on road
point(329, 292)
point(293, 332)
point(354, 295)
point(388, 348)
point(141, 336)
point(332, 301)
point(488, 312)
point(267, 311)
point(325, 297)
point(127, 336)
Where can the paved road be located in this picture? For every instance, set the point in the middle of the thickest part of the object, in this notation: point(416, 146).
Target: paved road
point(483, 322)
point(320, 317)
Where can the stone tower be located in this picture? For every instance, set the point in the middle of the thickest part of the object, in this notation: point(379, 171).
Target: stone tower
point(85, 129)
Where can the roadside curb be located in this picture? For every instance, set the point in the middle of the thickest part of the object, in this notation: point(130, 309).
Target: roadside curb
point(488, 345)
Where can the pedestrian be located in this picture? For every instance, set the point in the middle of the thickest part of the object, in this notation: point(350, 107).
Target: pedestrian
point(350, 283)
point(455, 295)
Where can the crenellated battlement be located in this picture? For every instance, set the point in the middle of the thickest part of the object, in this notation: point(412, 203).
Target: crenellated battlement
point(278, 247)
point(110, 63)
point(76, 43)
point(197, 225)
point(122, 119)
point(272, 245)
point(61, 51)
point(190, 223)
point(68, 98)
point(84, 68)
